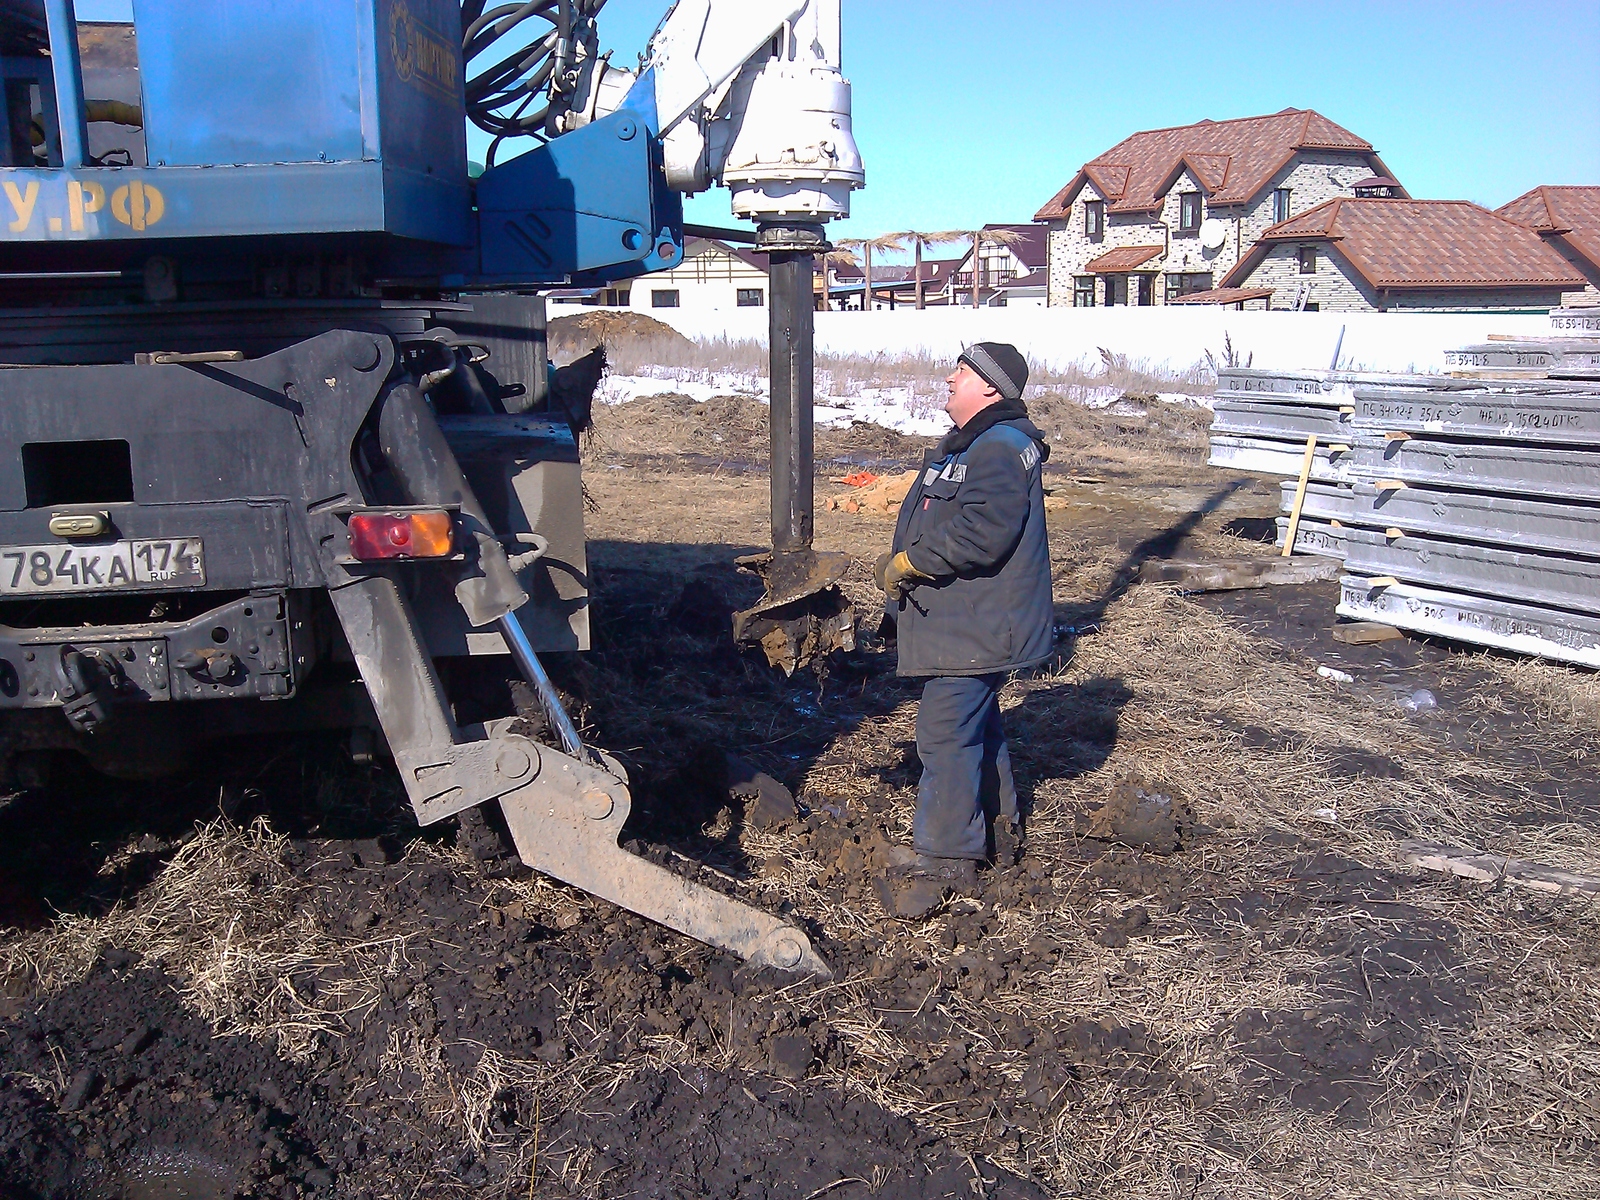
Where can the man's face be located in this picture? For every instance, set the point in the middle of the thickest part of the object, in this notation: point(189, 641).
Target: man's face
point(969, 394)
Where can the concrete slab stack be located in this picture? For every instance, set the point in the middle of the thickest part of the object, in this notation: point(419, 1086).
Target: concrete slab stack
point(1463, 505)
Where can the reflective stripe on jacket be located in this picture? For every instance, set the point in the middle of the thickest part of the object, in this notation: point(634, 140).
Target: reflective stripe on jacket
point(974, 521)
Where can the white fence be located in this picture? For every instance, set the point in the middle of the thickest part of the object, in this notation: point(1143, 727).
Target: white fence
point(1159, 338)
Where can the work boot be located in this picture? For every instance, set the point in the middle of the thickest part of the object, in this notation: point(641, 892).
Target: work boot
point(916, 884)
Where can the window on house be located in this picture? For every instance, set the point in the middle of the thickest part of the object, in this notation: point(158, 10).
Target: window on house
point(1280, 205)
point(1308, 260)
point(1083, 291)
point(1188, 212)
point(1094, 220)
point(664, 298)
point(1187, 282)
point(751, 297)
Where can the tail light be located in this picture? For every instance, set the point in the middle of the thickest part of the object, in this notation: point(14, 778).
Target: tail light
point(376, 536)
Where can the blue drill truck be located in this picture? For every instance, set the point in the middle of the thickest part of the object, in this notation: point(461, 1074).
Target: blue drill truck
point(278, 445)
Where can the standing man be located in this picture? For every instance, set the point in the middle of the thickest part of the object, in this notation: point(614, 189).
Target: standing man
point(968, 585)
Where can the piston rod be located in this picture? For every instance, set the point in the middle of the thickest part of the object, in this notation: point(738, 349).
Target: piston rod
point(533, 671)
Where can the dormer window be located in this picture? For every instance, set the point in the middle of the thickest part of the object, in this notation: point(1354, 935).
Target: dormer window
point(1094, 220)
point(1378, 187)
point(1280, 205)
point(1189, 212)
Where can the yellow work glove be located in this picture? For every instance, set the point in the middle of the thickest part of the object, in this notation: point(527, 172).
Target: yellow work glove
point(895, 575)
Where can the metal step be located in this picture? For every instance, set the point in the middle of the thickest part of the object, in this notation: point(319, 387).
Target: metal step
point(1559, 581)
point(1480, 620)
point(1553, 415)
point(1546, 471)
point(1267, 456)
point(1528, 524)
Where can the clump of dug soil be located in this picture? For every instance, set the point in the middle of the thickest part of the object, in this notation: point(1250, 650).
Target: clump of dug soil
point(1138, 815)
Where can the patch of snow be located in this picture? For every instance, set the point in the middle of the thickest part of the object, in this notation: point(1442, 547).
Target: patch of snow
point(895, 408)
point(699, 386)
point(1157, 338)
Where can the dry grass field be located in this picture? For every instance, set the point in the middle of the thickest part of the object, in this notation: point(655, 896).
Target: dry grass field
point(1241, 992)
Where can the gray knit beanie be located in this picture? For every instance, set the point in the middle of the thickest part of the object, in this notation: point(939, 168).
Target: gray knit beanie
point(1000, 365)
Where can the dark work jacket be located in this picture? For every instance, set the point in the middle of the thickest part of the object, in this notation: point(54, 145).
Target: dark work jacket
point(974, 521)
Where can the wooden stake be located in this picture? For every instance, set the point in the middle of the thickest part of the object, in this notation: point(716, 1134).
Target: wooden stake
point(1300, 496)
point(1469, 863)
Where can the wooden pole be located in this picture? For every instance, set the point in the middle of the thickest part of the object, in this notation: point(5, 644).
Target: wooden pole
point(1300, 496)
point(918, 239)
point(977, 241)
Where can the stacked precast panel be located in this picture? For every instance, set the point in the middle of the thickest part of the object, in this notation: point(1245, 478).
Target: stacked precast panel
point(1464, 505)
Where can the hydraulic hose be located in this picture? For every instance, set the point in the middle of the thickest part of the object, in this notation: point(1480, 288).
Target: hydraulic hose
point(502, 99)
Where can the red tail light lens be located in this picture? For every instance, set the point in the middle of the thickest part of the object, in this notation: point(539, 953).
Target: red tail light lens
point(375, 536)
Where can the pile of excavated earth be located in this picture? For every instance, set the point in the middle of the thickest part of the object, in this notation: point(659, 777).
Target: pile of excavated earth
point(1211, 972)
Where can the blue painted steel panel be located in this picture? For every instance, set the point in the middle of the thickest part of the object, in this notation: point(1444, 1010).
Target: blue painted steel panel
point(280, 118)
point(580, 203)
point(136, 204)
point(416, 59)
point(268, 82)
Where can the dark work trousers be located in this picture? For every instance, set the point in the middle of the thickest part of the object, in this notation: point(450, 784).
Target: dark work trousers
point(966, 768)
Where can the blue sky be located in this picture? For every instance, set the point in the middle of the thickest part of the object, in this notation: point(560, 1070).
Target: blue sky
point(971, 112)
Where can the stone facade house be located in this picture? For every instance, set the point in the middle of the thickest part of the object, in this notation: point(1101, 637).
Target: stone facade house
point(1568, 219)
point(1169, 212)
point(1377, 255)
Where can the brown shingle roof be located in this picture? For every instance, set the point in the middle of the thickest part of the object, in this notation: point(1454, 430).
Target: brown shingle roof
point(1233, 160)
point(1573, 212)
point(1223, 296)
point(934, 271)
point(1422, 243)
point(1123, 258)
point(1032, 279)
point(1031, 243)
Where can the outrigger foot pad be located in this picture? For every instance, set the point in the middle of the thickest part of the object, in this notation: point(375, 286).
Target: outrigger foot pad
point(566, 824)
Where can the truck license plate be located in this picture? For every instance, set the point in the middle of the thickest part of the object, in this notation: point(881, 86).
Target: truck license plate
point(150, 563)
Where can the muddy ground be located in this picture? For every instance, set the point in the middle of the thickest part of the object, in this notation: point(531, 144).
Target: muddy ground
point(1210, 974)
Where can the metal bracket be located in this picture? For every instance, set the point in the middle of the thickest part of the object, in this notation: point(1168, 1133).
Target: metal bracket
point(565, 817)
point(444, 780)
point(566, 824)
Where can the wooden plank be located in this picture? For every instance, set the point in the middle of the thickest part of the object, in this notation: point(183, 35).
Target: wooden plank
point(1300, 495)
point(1364, 633)
point(1484, 867)
point(1233, 574)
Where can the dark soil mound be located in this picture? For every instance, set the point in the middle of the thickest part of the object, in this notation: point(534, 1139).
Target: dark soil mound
point(694, 1134)
point(575, 334)
point(110, 1084)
